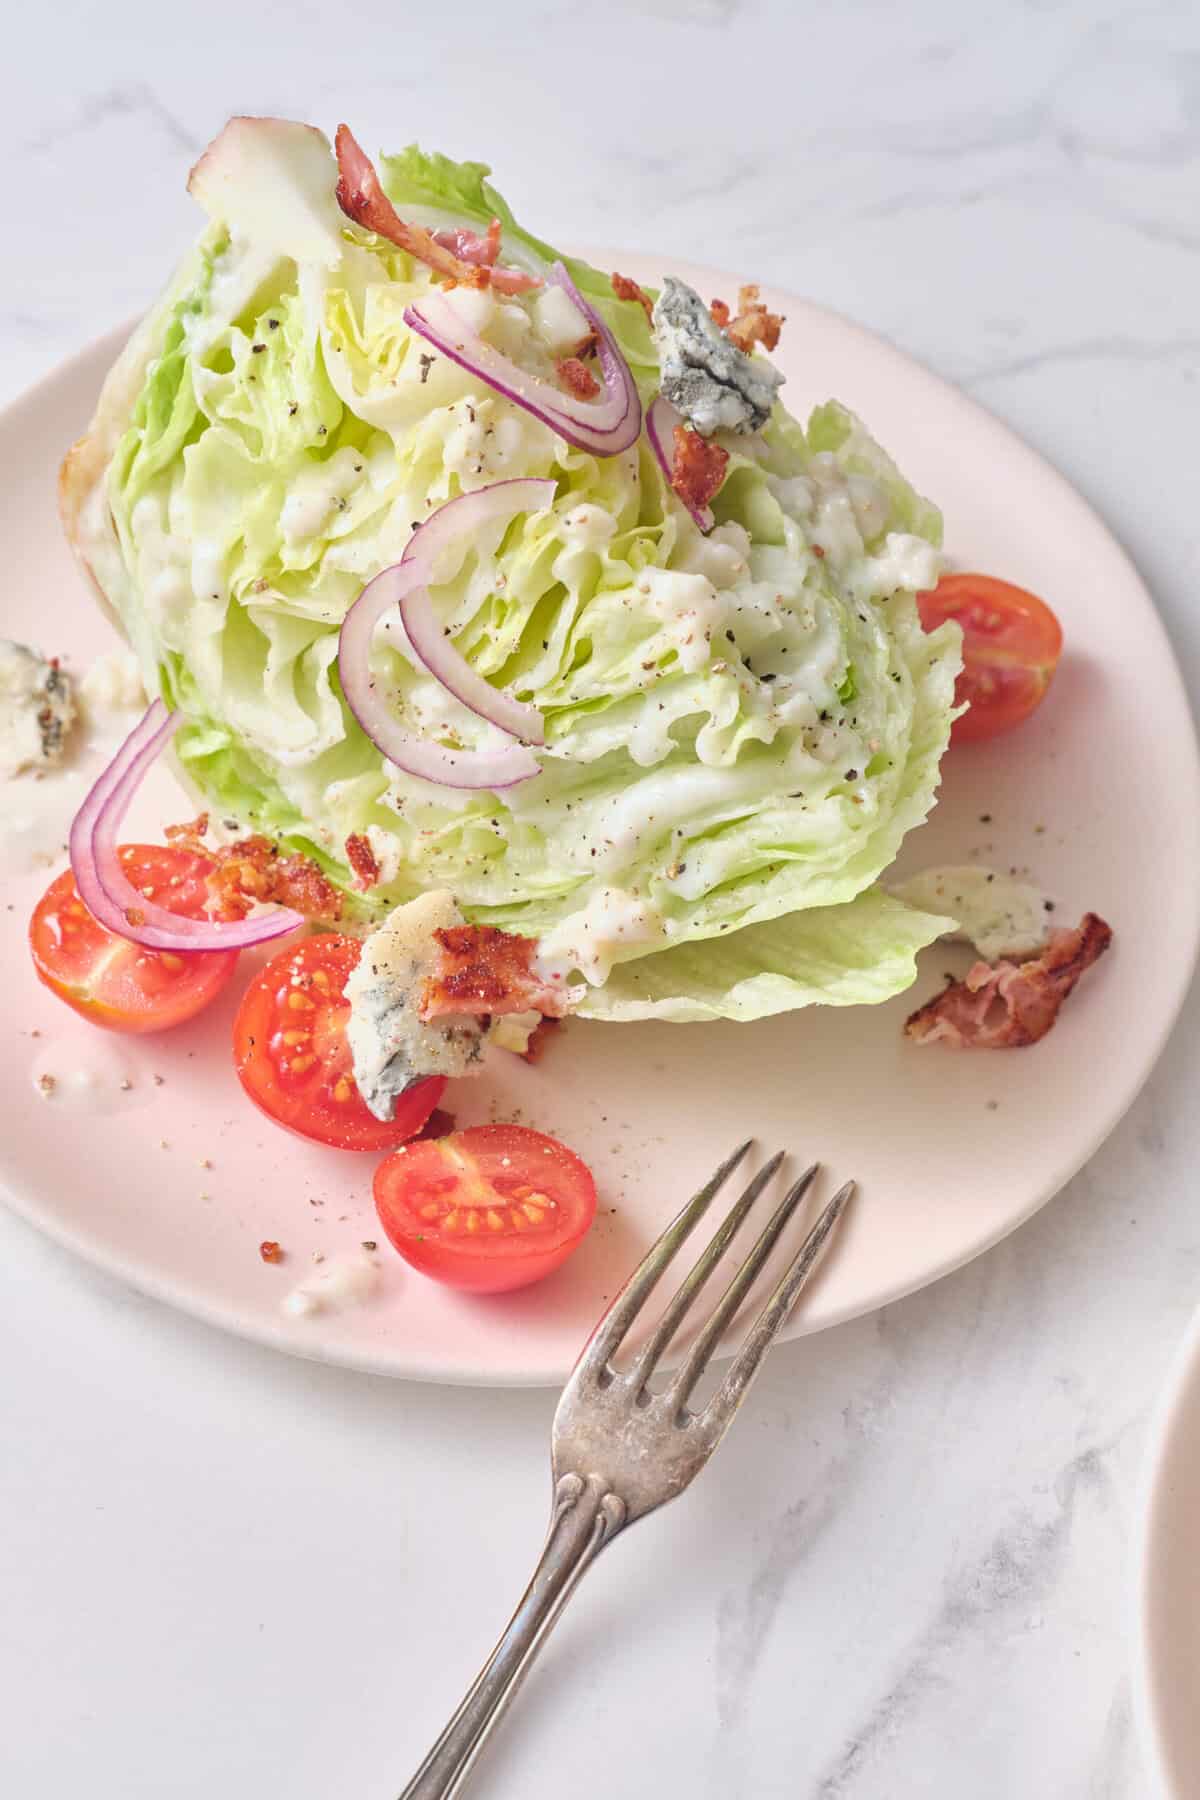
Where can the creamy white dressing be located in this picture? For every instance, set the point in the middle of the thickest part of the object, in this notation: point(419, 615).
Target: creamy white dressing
point(587, 527)
point(238, 274)
point(560, 324)
point(333, 1286)
point(591, 939)
point(723, 557)
point(476, 307)
point(317, 493)
point(997, 913)
point(904, 562)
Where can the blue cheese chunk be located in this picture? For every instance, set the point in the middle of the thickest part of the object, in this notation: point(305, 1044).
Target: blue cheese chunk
point(713, 384)
point(390, 1047)
point(999, 915)
point(37, 710)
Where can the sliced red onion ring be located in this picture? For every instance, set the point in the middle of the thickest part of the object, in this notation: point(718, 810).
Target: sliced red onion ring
point(103, 885)
point(605, 426)
point(457, 519)
point(661, 420)
point(404, 586)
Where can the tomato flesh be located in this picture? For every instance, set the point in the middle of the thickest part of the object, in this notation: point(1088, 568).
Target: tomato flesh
point(293, 1059)
point(1011, 645)
point(111, 980)
point(488, 1209)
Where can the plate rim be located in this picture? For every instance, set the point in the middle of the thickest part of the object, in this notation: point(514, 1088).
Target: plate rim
point(1153, 1499)
point(287, 1338)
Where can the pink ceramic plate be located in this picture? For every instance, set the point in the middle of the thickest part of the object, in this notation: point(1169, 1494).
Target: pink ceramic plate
point(951, 1151)
point(1167, 1642)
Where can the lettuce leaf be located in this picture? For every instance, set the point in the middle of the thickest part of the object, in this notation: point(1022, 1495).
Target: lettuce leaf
point(853, 955)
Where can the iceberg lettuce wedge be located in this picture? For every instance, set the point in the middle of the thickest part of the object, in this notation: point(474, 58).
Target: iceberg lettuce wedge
point(740, 728)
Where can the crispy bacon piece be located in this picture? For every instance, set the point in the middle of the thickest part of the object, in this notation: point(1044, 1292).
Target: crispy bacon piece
point(539, 1037)
point(189, 836)
point(1005, 1005)
point(577, 378)
point(362, 860)
point(362, 199)
point(719, 312)
point(698, 468)
point(470, 246)
point(485, 970)
point(588, 346)
point(255, 869)
point(625, 288)
point(753, 324)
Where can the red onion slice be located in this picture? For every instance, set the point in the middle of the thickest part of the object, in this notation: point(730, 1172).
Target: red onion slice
point(661, 420)
point(404, 586)
point(456, 519)
point(604, 427)
point(103, 885)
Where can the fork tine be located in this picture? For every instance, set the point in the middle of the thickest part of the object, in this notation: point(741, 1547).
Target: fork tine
point(697, 1358)
point(700, 1271)
point(765, 1329)
point(628, 1303)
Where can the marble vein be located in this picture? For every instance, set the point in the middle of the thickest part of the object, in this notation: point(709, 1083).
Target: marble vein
point(1019, 1567)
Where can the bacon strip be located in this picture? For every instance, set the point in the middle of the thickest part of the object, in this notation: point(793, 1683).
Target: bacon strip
point(362, 199)
point(470, 246)
point(577, 378)
point(698, 468)
point(485, 970)
point(362, 860)
point(625, 288)
point(1006, 1005)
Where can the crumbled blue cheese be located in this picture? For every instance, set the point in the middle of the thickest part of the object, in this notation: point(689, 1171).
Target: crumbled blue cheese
point(998, 914)
point(713, 384)
point(390, 1047)
point(37, 710)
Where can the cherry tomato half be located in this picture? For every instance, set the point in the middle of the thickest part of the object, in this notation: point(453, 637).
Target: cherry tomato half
point(1011, 646)
point(113, 981)
point(487, 1209)
point(292, 1057)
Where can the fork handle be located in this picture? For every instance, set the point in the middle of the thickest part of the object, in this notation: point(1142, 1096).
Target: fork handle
point(586, 1517)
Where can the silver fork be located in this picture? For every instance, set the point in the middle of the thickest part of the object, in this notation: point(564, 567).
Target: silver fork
point(620, 1450)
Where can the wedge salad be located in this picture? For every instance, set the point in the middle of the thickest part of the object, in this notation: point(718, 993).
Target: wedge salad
point(527, 659)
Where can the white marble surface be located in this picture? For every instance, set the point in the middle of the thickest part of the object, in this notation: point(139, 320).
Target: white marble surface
point(908, 1574)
